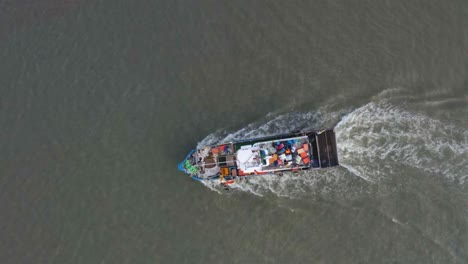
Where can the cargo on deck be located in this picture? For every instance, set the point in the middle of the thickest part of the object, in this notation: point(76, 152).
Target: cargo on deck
point(230, 161)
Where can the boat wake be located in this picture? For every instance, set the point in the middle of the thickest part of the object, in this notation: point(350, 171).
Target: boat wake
point(291, 184)
point(274, 124)
point(374, 142)
point(378, 138)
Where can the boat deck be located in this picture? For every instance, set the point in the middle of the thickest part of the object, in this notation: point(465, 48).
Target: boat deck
point(275, 155)
point(297, 150)
point(211, 159)
point(327, 153)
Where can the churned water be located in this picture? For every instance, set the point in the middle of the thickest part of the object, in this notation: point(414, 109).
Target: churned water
point(100, 100)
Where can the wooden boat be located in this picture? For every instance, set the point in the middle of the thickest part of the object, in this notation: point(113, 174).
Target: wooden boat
point(231, 161)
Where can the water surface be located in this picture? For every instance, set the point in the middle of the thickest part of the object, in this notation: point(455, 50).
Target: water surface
point(101, 99)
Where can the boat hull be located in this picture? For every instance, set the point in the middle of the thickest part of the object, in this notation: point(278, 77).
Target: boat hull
point(227, 162)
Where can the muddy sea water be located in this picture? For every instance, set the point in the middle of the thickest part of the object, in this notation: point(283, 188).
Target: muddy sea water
point(100, 100)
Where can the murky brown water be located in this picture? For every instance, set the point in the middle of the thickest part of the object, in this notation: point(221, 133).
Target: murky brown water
point(100, 101)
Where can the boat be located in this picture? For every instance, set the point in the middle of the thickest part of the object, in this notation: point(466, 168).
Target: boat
point(229, 162)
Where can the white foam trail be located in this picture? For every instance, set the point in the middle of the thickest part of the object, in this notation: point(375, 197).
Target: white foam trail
point(291, 184)
point(211, 139)
point(357, 172)
point(377, 138)
point(278, 125)
point(373, 142)
point(213, 186)
point(274, 124)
